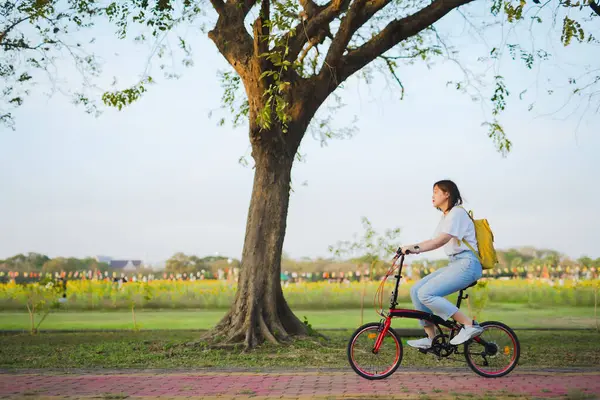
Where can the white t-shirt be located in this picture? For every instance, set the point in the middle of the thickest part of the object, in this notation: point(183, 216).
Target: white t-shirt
point(458, 224)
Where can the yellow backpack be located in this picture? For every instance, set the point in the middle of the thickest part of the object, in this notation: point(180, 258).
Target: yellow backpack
point(485, 242)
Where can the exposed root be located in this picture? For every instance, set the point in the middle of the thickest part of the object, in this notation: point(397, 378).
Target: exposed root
point(288, 319)
point(218, 329)
point(236, 336)
point(280, 331)
point(266, 332)
point(250, 342)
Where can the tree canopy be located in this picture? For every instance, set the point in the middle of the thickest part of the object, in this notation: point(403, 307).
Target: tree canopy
point(317, 43)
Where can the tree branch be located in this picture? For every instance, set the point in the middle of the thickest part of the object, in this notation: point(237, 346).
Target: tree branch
point(11, 27)
point(313, 24)
point(347, 27)
point(246, 5)
point(231, 37)
point(306, 50)
point(389, 61)
point(594, 6)
point(22, 45)
point(261, 29)
point(360, 12)
point(218, 5)
point(395, 32)
point(311, 8)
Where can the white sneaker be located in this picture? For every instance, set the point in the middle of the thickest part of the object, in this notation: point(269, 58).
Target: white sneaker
point(424, 343)
point(466, 333)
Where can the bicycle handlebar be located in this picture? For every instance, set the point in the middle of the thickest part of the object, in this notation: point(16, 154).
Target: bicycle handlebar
point(400, 253)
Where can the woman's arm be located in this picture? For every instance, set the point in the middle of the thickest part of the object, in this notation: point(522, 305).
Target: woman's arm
point(428, 245)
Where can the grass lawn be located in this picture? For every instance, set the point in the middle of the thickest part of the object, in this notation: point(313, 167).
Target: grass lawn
point(514, 315)
point(167, 349)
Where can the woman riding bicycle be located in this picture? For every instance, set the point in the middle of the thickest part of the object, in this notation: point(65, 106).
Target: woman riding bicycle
point(464, 267)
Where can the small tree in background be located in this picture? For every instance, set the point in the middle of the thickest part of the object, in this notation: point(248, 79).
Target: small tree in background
point(371, 248)
point(478, 299)
point(136, 294)
point(40, 298)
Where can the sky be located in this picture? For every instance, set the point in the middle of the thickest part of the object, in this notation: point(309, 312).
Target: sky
point(161, 177)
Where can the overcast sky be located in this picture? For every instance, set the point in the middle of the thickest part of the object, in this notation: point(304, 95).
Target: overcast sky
point(161, 177)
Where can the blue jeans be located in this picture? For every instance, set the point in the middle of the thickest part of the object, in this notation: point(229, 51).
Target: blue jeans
point(428, 293)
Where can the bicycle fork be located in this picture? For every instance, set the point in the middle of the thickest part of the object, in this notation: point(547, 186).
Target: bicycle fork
point(382, 332)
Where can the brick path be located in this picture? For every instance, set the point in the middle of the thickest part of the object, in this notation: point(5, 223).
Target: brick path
point(405, 383)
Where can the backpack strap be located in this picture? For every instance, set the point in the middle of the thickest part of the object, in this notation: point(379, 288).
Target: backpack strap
point(470, 214)
point(472, 249)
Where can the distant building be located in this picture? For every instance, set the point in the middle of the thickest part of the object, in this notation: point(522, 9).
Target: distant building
point(124, 265)
point(103, 259)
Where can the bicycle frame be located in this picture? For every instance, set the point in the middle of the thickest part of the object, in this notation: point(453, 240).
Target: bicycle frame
point(415, 314)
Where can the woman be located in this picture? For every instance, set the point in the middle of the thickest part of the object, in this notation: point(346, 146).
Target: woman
point(464, 267)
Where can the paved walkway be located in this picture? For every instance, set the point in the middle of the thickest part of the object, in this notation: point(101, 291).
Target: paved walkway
point(405, 383)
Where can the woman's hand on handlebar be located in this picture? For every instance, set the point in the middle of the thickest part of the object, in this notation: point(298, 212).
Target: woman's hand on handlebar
point(405, 250)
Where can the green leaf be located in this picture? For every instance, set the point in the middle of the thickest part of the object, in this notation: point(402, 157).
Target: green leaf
point(122, 98)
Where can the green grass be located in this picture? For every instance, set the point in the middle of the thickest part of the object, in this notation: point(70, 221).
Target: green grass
point(515, 315)
point(167, 349)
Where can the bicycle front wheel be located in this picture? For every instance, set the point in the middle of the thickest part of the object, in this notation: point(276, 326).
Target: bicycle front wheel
point(372, 365)
point(497, 354)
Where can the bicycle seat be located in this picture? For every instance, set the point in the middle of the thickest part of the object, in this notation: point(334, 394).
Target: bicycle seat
point(472, 284)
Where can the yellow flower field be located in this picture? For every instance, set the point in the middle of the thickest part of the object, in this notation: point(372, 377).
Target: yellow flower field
point(213, 294)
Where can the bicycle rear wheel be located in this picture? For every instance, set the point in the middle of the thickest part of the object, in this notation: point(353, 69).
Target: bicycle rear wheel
point(371, 365)
point(500, 353)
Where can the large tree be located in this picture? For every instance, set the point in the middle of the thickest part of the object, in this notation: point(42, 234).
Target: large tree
point(289, 57)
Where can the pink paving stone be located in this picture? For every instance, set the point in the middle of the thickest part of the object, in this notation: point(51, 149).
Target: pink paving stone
point(284, 385)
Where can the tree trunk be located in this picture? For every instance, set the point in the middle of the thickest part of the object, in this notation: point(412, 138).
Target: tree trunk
point(259, 311)
point(31, 311)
